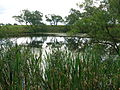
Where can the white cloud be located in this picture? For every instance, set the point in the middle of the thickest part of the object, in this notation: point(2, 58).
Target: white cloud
point(13, 7)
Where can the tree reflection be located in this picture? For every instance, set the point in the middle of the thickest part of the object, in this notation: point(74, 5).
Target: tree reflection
point(37, 42)
point(73, 44)
point(76, 43)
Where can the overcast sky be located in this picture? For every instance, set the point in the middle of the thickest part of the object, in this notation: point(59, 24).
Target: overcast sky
point(9, 8)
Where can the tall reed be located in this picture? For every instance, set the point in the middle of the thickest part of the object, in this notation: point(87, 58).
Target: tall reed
point(21, 69)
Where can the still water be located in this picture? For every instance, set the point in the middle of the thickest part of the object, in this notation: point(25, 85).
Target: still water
point(73, 44)
point(48, 42)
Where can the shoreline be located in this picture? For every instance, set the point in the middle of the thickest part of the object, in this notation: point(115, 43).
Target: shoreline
point(45, 34)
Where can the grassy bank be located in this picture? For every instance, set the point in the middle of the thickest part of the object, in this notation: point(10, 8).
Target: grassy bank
point(21, 69)
point(16, 30)
point(23, 30)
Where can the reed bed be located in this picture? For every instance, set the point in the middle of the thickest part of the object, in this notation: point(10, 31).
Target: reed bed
point(21, 69)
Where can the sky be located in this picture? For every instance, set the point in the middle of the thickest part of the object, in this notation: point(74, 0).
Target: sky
point(9, 8)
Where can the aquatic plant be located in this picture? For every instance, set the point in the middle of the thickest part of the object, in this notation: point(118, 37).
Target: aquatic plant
point(22, 69)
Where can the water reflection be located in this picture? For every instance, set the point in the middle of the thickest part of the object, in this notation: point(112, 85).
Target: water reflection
point(73, 44)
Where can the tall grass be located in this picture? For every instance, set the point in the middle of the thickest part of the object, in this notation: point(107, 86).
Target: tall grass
point(21, 69)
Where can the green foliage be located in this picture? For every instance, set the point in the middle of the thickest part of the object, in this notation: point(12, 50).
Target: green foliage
point(53, 19)
point(73, 16)
point(113, 7)
point(26, 16)
point(96, 18)
point(95, 22)
point(21, 68)
point(16, 30)
point(25, 30)
point(57, 29)
point(19, 19)
point(48, 19)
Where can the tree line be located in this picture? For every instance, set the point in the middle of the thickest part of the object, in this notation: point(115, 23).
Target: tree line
point(107, 12)
point(35, 18)
point(93, 16)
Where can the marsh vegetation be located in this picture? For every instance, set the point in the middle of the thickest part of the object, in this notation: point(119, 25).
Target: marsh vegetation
point(68, 64)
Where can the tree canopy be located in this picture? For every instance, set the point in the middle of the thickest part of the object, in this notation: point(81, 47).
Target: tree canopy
point(53, 19)
point(100, 17)
point(73, 16)
point(29, 17)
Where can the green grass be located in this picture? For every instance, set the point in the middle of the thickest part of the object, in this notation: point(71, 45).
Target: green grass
point(16, 30)
point(21, 69)
point(23, 30)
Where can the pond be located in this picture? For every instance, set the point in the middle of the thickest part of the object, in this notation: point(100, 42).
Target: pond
point(73, 44)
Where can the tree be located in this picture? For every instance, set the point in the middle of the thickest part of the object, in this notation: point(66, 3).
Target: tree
point(73, 16)
point(97, 21)
point(28, 17)
point(54, 19)
point(113, 7)
point(48, 18)
point(19, 19)
point(36, 18)
point(94, 18)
